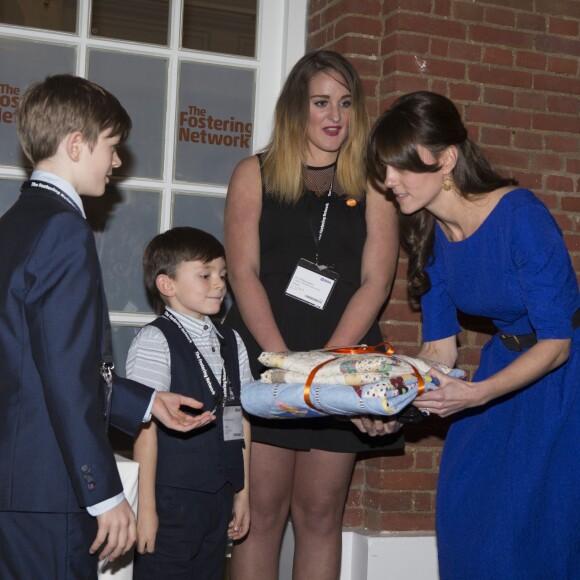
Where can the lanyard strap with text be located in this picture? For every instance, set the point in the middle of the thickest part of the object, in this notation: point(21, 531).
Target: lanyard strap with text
point(43, 185)
point(200, 360)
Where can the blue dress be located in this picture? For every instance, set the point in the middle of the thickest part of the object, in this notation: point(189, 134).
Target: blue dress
point(508, 500)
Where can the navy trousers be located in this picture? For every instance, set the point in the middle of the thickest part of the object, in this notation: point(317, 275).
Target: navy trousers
point(47, 546)
point(192, 536)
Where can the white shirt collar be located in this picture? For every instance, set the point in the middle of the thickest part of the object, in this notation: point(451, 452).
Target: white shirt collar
point(196, 327)
point(61, 184)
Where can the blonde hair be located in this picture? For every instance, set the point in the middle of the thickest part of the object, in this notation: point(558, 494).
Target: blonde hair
point(283, 160)
point(61, 104)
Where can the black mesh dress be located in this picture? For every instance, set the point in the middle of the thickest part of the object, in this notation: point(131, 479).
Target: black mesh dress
point(288, 233)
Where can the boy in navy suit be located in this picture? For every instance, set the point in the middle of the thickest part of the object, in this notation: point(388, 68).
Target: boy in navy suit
point(61, 500)
point(192, 492)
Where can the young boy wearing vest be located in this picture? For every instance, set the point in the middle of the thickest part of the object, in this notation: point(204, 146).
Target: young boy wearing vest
point(192, 493)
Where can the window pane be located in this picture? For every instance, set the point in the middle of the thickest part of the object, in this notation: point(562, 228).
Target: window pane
point(22, 63)
point(228, 26)
point(199, 211)
point(60, 15)
point(124, 222)
point(9, 192)
point(140, 83)
point(122, 337)
point(136, 20)
point(215, 121)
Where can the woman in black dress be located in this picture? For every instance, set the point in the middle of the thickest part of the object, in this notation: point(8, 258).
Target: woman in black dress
point(300, 206)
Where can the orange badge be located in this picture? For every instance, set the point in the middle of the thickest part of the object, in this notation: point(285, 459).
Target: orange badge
point(351, 202)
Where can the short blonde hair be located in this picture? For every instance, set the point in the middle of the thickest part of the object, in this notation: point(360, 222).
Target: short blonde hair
point(61, 104)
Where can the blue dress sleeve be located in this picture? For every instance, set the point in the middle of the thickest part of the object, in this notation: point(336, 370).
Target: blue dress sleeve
point(439, 311)
point(544, 269)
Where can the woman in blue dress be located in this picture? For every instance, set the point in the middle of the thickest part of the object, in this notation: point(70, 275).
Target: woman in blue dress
point(508, 500)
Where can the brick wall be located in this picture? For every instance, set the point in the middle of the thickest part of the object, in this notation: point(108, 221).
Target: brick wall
point(512, 67)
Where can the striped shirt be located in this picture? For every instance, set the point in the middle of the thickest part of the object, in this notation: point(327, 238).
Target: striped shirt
point(149, 359)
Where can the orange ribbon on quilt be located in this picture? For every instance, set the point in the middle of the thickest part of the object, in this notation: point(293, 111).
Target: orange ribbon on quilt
point(359, 349)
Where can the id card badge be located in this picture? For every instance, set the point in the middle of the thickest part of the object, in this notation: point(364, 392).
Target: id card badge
point(312, 284)
point(232, 422)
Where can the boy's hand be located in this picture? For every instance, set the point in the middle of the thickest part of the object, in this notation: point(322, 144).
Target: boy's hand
point(166, 408)
point(116, 528)
point(147, 526)
point(240, 523)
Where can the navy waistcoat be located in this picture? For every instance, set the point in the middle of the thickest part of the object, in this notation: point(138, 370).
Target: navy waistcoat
point(199, 460)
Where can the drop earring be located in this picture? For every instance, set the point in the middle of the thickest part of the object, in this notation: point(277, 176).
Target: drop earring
point(447, 184)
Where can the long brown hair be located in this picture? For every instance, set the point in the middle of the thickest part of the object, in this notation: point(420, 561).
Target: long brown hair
point(283, 161)
point(432, 121)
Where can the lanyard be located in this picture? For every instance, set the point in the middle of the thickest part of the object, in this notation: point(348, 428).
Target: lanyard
point(324, 212)
point(52, 189)
point(205, 371)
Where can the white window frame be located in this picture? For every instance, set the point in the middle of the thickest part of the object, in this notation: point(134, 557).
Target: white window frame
point(280, 42)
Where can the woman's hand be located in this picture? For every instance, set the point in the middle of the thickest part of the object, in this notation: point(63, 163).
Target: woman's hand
point(452, 396)
point(373, 426)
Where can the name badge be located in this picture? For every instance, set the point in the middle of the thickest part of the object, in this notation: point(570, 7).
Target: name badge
point(232, 422)
point(312, 284)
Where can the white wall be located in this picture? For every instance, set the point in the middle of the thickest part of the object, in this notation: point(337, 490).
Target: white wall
point(369, 556)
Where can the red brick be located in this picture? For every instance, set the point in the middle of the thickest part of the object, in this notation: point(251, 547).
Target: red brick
point(495, 96)
point(561, 65)
point(570, 203)
point(423, 502)
point(424, 460)
point(407, 522)
point(409, 480)
point(497, 56)
point(465, 51)
point(547, 162)
point(397, 333)
point(500, 16)
point(432, 26)
point(439, 47)
point(354, 45)
point(416, 6)
point(556, 44)
point(495, 136)
point(566, 222)
point(493, 76)
point(442, 7)
point(517, 4)
point(563, 104)
point(529, 180)
point(528, 140)
point(402, 311)
point(526, 21)
point(560, 9)
point(557, 84)
point(531, 60)
point(573, 166)
point(497, 116)
point(559, 183)
point(389, 501)
point(564, 27)
point(353, 518)
point(467, 11)
point(562, 143)
point(464, 92)
point(566, 124)
point(490, 34)
point(536, 101)
point(358, 25)
point(572, 242)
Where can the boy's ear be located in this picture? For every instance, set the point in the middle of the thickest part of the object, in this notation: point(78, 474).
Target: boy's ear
point(165, 285)
point(74, 144)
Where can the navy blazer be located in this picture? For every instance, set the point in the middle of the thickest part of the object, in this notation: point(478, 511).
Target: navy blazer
point(55, 455)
